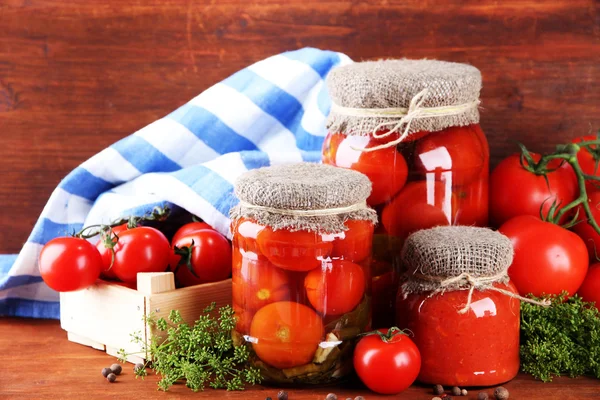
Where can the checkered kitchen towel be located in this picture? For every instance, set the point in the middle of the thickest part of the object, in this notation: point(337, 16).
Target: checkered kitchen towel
point(269, 113)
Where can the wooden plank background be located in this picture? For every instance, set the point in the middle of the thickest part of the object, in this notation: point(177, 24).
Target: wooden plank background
point(77, 75)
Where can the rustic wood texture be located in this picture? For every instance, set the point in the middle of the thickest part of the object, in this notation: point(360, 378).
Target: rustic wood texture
point(77, 75)
point(39, 363)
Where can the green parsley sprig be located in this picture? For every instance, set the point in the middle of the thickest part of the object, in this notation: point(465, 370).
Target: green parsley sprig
point(562, 339)
point(203, 355)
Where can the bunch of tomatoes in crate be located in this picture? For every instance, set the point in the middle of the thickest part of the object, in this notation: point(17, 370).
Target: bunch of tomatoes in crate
point(196, 254)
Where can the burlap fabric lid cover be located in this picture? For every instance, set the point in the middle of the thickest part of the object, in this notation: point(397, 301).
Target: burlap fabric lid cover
point(388, 84)
point(303, 196)
point(455, 258)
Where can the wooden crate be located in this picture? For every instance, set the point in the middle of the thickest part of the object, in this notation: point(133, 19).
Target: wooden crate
point(105, 315)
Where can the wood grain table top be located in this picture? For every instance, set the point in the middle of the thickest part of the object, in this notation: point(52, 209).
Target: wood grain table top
point(39, 363)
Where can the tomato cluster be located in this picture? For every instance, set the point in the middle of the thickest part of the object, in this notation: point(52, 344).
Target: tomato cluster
point(73, 263)
point(430, 179)
point(290, 287)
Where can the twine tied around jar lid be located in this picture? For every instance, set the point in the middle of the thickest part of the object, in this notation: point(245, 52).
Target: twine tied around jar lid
point(404, 96)
point(454, 258)
point(303, 196)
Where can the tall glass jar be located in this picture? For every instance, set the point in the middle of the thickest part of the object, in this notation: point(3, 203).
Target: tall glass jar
point(460, 306)
point(301, 279)
point(412, 127)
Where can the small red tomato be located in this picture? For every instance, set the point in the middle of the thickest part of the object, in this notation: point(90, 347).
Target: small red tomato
point(456, 155)
point(68, 264)
point(210, 257)
point(335, 289)
point(141, 249)
point(387, 364)
point(588, 160)
point(548, 258)
point(386, 168)
point(257, 283)
point(107, 271)
point(590, 288)
point(189, 228)
point(294, 251)
point(515, 191)
point(355, 243)
point(585, 230)
point(420, 205)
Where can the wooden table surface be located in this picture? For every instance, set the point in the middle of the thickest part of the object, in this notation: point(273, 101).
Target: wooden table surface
point(39, 363)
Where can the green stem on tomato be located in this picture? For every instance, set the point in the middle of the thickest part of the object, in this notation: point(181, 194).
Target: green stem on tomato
point(568, 153)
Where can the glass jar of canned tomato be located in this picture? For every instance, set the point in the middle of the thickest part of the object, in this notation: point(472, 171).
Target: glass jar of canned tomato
point(428, 160)
point(302, 238)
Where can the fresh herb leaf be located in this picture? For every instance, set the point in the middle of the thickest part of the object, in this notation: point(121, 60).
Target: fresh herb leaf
point(562, 339)
point(203, 355)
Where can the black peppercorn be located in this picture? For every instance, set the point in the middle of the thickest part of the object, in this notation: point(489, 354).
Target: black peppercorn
point(111, 377)
point(455, 391)
point(331, 396)
point(482, 396)
point(268, 398)
point(105, 372)
point(138, 367)
point(116, 369)
point(501, 393)
point(438, 389)
point(282, 395)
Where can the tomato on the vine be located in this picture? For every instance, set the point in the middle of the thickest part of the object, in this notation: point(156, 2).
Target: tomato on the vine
point(141, 249)
point(69, 263)
point(585, 230)
point(590, 288)
point(210, 257)
point(516, 191)
point(289, 334)
point(388, 363)
point(548, 258)
point(455, 154)
point(337, 288)
point(189, 228)
point(386, 168)
point(106, 253)
point(588, 161)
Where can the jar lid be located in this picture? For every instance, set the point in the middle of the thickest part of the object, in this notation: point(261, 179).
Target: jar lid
point(303, 196)
point(452, 257)
point(378, 95)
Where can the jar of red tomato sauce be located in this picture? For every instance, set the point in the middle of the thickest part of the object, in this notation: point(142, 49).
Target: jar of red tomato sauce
point(411, 126)
point(460, 305)
point(302, 237)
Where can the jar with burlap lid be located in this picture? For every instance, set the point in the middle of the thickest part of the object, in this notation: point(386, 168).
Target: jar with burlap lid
point(302, 237)
point(457, 300)
point(411, 126)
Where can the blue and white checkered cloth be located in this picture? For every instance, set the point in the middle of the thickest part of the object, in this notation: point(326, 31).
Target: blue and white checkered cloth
point(271, 112)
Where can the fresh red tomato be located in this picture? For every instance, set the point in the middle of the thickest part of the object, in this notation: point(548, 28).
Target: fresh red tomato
point(107, 271)
point(548, 259)
point(387, 366)
point(585, 230)
point(257, 283)
point(335, 289)
point(354, 244)
point(68, 264)
point(455, 155)
point(515, 191)
point(590, 288)
point(141, 249)
point(288, 334)
point(294, 251)
point(386, 168)
point(587, 160)
point(211, 257)
point(189, 228)
point(420, 205)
